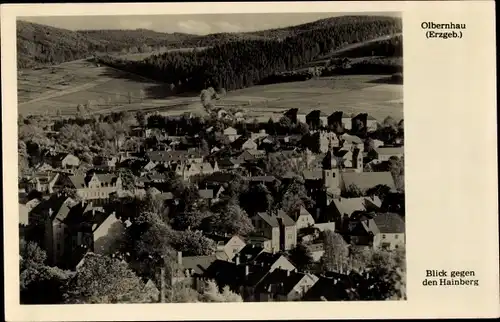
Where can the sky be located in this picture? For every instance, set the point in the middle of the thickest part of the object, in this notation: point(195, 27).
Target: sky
point(192, 24)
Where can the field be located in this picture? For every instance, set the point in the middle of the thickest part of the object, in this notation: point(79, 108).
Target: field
point(350, 94)
point(63, 87)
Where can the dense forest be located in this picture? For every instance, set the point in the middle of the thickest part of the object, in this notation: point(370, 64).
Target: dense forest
point(240, 64)
point(39, 45)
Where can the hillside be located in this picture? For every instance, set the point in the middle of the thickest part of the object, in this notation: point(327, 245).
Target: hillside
point(244, 63)
point(40, 45)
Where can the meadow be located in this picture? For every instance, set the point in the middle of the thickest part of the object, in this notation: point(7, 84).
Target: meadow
point(63, 87)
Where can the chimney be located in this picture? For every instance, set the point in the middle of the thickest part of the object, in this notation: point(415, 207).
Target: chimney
point(237, 259)
point(247, 270)
point(179, 258)
point(288, 273)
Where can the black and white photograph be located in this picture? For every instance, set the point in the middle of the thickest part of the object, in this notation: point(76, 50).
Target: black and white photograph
point(224, 157)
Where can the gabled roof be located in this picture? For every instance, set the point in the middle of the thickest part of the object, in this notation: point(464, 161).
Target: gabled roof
point(312, 174)
point(270, 220)
point(261, 179)
point(280, 281)
point(389, 223)
point(173, 156)
point(285, 219)
point(353, 139)
point(367, 180)
point(249, 253)
point(330, 289)
point(78, 181)
point(198, 264)
point(389, 150)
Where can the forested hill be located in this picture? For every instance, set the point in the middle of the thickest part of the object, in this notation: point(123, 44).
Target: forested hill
point(40, 44)
point(244, 63)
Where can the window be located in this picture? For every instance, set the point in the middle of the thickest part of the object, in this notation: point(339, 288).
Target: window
point(396, 236)
point(383, 236)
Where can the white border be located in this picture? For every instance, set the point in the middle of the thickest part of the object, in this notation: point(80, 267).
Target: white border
point(451, 173)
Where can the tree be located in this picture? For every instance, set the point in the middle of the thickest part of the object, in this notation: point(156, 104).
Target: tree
point(294, 197)
point(232, 220)
point(336, 256)
point(211, 293)
point(39, 283)
point(380, 190)
point(128, 179)
point(193, 243)
point(390, 123)
point(353, 191)
point(301, 257)
point(189, 220)
point(102, 279)
point(140, 116)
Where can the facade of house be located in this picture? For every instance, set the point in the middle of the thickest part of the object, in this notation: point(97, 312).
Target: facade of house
point(65, 161)
point(267, 226)
point(302, 218)
point(388, 231)
point(231, 134)
point(385, 153)
point(96, 187)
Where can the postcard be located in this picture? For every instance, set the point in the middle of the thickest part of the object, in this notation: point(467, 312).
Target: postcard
point(202, 161)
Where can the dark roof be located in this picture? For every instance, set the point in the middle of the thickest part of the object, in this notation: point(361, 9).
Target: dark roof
point(271, 220)
point(367, 180)
point(199, 264)
point(280, 281)
point(330, 289)
point(266, 259)
point(78, 181)
point(249, 253)
point(219, 177)
point(389, 223)
point(59, 205)
point(173, 156)
point(285, 219)
point(234, 276)
point(261, 178)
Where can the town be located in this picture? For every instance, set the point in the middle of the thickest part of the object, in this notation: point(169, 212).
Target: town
point(222, 207)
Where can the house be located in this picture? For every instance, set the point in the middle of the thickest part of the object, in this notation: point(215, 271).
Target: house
point(317, 251)
point(386, 231)
point(193, 269)
point(271, 262)
point(228, 164)
point(366, 180)
point(338, 288)
point(179, 157)
point(288, 231)
point(249, 252)
point(316, 119)
point(267, 226)
point(351, 142)
point(192, 169)
point(251, 155)
point(367, 122)
point(292, 115)
point(231, 133)
point(242, 279)
point(326, 140)
point(65, 161)
point(285, 285)
point(230, 245)
point(244, 143)
point(347, 160)
point(42, 182)
point(385, 153)
point(302, 218)
point(96, 187)
point(341, 209)
point(105, 163)
point(340, 118)
point(67, 230)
